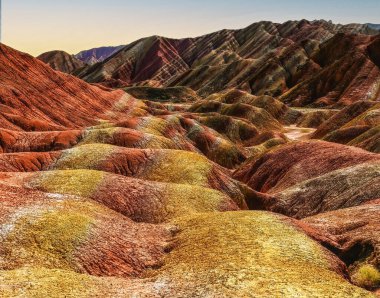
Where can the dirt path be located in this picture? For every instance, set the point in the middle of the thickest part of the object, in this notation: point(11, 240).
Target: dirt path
point(295, 133)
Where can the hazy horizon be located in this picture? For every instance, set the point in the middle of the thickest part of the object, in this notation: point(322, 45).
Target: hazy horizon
point(73, 26)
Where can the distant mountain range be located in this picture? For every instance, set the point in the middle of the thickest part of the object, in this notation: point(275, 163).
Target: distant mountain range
point(374, 26)
point(95, 55)
point(65, 62)
point(297, 61)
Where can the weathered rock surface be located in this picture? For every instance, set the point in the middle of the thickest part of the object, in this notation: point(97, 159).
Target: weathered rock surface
point(35, 97)
point(338, 189)
point(303, 63)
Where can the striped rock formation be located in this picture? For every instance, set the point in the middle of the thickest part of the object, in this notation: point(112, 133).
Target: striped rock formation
point(300, 62)
point(164, 193)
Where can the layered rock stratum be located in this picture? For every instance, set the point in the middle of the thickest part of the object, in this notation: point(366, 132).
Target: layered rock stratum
point(301, 61)
point(244, 163)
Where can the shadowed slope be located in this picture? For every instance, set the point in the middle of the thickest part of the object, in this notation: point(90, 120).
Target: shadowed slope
point(256, 116)
point(172, 95)
point(308, 178)
point(356, 125)
point(343, 117)
point(357, 230)
point(338, 189)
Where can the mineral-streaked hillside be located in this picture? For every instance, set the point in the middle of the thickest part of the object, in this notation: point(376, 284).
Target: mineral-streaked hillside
point(61, 61)
point(210, 189)
point(281, 60)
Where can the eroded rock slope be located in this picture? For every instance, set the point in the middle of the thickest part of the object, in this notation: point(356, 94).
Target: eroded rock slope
point(154, 192)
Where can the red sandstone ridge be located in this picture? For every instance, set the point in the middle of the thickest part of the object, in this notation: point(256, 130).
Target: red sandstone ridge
point(357, 234)
point(35, 97)
point(305, 160)
point(308, 178)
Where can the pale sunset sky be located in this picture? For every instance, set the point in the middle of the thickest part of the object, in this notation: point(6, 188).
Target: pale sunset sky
point(37, 26)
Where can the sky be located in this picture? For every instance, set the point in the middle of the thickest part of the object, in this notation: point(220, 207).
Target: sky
point(37, 26)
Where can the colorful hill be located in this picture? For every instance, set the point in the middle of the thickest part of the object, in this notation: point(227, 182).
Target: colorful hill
point(243, 163)
point(281, 60)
